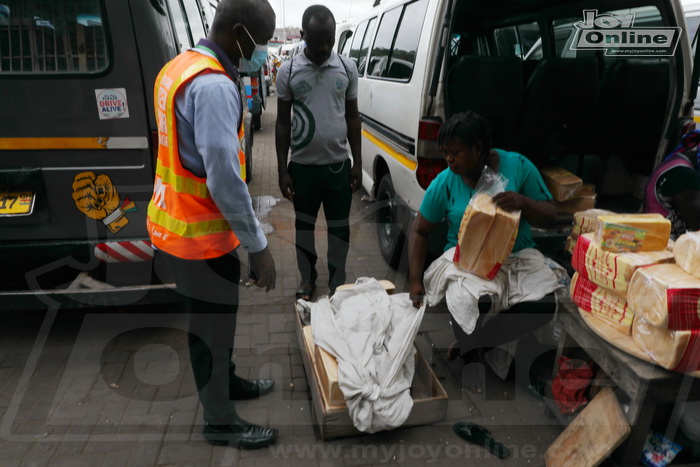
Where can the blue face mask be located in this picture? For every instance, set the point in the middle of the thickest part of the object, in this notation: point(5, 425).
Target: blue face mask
point(256, 61)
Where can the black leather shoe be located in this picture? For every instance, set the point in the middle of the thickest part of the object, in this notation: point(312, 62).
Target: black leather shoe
point(479, 435)
point(239, 435)
point(240, 388)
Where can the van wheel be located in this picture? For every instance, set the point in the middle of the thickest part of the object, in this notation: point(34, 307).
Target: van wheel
point(249, 157)
point(391, 238)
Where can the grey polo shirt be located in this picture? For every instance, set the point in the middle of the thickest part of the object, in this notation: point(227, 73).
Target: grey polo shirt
point(318, 93)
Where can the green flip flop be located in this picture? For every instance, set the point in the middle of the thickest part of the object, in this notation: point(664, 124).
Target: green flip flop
point(479, 435)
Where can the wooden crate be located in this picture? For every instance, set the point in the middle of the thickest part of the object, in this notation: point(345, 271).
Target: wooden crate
point(429, 397)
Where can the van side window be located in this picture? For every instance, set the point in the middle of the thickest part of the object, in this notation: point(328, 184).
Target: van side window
point(565, 32)
point(356, 46)
point(346, 46)
point(693, 22)
point(397, 40)
point(182, 27)
point(194, 17)
point(52, 37)
point(518, 41)
point(403, 55)
point(379, 60)
point(364, 50)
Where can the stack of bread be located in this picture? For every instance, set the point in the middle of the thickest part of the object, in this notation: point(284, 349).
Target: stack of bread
point(632, 277)
point(584, 222)
point(486, 237)
point(570, 194)
point(666, 301)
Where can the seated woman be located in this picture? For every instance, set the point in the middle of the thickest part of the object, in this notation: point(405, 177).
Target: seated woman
point(523, 291)
point(673, 189)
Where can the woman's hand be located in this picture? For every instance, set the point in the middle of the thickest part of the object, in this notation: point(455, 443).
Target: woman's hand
point(510, 201)
point(542, 214)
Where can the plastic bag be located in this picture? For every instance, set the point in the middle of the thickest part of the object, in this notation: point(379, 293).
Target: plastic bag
point(570, 384)
point(666, 296)
point(587, 221)
point(611, 270)
point(673, 350)
point(602, 303)
point(487, 233)
point(633, 232)
point(659, 451)
point(563, 185)
point(686, 250)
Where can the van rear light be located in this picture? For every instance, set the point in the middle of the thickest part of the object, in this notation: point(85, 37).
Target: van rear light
point(430, 161)
point(428, 169)
point(429, 129)
point(254, 86)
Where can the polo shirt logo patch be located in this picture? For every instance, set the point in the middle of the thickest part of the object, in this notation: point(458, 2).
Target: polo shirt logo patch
point(302, 88)
point(303, 126)
point(339, 85)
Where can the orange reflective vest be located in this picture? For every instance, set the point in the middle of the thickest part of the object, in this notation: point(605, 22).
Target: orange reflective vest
point(183, 219)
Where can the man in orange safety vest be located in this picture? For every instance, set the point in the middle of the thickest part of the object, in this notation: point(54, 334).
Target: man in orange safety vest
point(201, 210)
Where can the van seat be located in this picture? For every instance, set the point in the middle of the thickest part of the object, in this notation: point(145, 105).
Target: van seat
point(635, 98)
point(490, 86)
point(558, 108)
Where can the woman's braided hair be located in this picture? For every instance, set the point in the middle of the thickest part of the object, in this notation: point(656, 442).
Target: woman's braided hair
point(470, 127)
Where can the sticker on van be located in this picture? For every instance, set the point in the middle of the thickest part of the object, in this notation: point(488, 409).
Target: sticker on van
point(112, 103)
point(98, 198)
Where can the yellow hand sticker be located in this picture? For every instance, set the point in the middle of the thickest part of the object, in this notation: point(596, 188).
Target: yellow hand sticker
point(97, 197)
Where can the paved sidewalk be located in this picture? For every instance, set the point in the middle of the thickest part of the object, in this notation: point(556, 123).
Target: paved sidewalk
point(114, 388)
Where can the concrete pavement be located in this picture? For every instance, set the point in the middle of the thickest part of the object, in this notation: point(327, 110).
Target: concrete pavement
point(114, 388)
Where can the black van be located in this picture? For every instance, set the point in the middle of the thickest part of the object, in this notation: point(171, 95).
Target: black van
point(78, 144)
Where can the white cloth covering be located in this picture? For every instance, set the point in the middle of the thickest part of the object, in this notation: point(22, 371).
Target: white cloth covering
point(524, 277)
point(371, 334)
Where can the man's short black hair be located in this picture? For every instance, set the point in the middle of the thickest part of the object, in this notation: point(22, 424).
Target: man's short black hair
point(253, 14)
point(320, 12)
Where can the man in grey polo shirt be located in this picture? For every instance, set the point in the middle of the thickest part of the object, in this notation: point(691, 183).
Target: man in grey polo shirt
point(319, 88)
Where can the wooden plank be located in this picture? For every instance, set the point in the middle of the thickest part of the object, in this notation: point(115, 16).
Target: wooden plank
point(592, 436)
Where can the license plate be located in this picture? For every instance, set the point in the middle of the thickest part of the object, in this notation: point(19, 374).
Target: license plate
point(16, 204)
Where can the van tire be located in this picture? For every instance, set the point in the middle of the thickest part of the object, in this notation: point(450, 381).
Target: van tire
point(389, 232)
point(249, 157)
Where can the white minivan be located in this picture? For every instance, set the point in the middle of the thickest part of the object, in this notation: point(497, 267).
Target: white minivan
point(599, 96)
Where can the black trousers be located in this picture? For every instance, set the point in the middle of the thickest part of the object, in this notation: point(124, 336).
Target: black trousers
point(328, 185)
point(210, 292)
point(506, 326)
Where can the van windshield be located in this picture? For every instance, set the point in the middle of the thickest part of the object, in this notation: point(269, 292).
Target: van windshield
point(61, 36)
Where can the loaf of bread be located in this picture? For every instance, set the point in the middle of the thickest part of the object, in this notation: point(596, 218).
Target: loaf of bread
point(601, 302)
point(475, 226)
point(584, 202)
point(486, 237)
point(633, 232)
point(609, 269)
point(666, 297)
point(587, 221)
point(673, 350)
point(561, 183)
point(686, 250)
point(498, 244)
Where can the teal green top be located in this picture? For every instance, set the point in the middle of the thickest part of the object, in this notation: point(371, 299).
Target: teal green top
point(447, 196)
